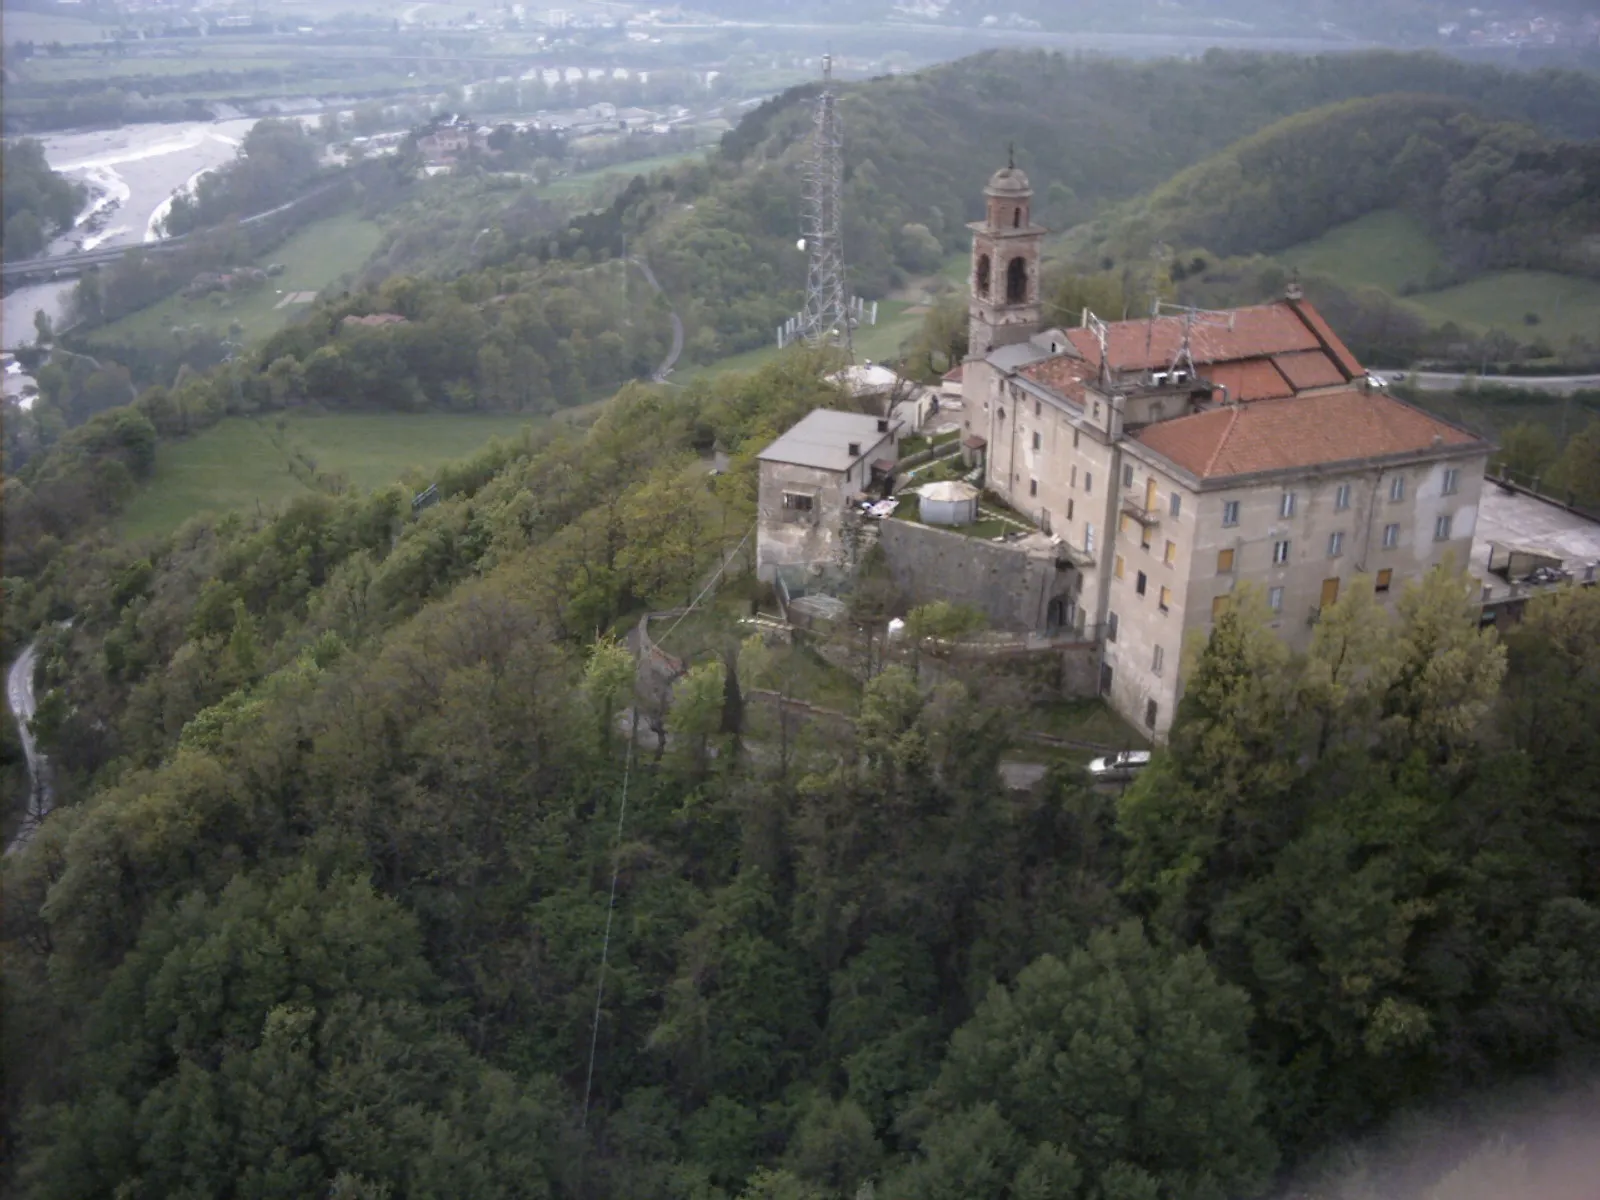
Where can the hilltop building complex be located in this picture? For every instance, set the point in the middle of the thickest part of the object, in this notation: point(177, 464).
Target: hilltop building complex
point(1167, 461)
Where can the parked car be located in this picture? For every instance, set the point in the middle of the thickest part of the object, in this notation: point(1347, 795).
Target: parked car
point(1118, 768)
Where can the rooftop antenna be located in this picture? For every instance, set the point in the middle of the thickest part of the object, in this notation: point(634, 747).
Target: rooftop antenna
point(1102, 335)
point(1192, 317)
point(825, 320)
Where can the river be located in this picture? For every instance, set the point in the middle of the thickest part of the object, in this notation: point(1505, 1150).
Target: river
point(132, 173)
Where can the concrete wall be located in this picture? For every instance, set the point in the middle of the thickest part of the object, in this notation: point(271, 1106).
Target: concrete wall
point(1011, 587)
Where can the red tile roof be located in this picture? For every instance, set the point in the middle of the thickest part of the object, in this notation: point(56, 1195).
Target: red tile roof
point(1310, 369)
point(1283, 327)
point(956, 373)
point(1329, 340)
point(1254, 379)
point(1305, 431)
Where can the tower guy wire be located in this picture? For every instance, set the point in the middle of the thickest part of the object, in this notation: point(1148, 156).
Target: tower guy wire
point(825, 320)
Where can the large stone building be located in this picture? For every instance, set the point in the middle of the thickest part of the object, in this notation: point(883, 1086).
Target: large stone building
point(1178, 456)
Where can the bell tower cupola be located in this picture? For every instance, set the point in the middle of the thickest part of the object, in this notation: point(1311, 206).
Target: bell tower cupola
point(1006, 246)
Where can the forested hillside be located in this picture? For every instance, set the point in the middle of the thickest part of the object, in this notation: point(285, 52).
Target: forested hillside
point(1493, 194)
point(919, 148)
point(323, 907)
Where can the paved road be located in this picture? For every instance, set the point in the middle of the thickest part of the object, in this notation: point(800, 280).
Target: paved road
point(1440, 381)
point(671, 360)
point(20, 699)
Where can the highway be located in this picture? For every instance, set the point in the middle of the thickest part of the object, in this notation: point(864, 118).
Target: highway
point(1441, 381)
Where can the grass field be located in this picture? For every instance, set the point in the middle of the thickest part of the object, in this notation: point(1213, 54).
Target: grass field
point(1391, 249)
point(251, 463)
point(1565, 305)
point(1386, 249)
point(581, 185)
point(313, 258)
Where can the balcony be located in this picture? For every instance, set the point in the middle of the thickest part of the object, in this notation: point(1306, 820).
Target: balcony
point(1148, 517)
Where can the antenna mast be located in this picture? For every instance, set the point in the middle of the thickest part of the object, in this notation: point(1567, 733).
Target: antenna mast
point(826, 316)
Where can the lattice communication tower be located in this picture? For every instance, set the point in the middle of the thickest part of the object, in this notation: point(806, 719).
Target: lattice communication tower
point(827, 314)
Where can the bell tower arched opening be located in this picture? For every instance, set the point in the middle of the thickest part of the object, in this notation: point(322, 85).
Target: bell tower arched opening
point(1017, 281)
point(985, 271)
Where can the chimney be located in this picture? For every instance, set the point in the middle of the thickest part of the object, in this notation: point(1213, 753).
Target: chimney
point(1294, 291)
point(855, 449)
point(883, 425)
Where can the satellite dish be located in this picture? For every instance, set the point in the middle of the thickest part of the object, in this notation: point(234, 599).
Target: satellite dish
point(800, 245)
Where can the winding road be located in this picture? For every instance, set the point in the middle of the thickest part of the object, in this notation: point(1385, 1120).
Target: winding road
point(671, 360)
point(1441, 381)
point(20, 699)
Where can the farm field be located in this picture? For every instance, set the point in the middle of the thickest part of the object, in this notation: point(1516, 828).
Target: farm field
point(313, 258)
point(246, 463)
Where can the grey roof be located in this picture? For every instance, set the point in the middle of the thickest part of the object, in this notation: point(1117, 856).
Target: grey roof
point(1012, 358)
point(822, 439)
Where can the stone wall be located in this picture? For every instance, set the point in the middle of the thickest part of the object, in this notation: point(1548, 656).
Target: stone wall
point(1010, 586)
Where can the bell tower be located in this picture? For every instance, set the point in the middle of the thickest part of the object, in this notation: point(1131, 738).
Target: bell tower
point(1004, 307)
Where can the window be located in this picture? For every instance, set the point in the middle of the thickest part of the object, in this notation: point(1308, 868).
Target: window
point(1139, 583)
point(1088, 481)
point(1033, 487)
point(1111, 627)
point(1335, 545)
point(1391, 536)
point(1001, 414)
point(1074, 439)
point(1124, 523)
point(1275, 599)
point(1219, 605)
point(1038, 440)
point(1280, 553)
point(1230, 512)
point(1171, 555)
point(1097, 410)
point(1074, 473)
point(1397, 488)
point(1038, 409)
point(1157, 660)
point(1150, 711)
point(1225, 562)
point(1088, 537)
point(1117, 570)
point(1127, 475)
point(1441, 528)
point(855, 450)
point(795, 502)
point(1069, 510)
point(1385, 576)
point(1452, 480)
point(1341, 498)
point(1144, 537)
point(1286, 505)
point(1176, 507)
point(1166, 599)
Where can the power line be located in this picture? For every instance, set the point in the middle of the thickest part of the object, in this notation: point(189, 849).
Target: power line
point(622, 818)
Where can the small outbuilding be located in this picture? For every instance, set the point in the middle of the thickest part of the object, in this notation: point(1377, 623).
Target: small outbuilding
point(948, 502)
